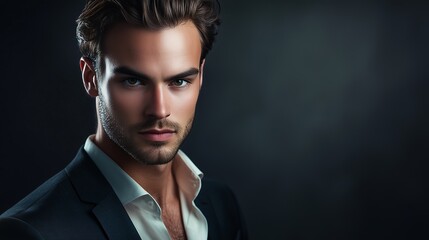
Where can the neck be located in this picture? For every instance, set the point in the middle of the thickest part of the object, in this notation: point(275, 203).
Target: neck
point(157, 180)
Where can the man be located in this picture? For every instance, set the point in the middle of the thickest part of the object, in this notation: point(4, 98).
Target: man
point(143, 63)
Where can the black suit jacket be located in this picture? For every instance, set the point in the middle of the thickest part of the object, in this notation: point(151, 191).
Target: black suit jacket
point(79, 203)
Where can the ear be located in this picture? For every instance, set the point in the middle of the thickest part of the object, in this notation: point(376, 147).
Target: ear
point(89, 78)
point(201, 72)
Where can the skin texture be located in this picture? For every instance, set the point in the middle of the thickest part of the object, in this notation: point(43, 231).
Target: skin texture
point(146, 97)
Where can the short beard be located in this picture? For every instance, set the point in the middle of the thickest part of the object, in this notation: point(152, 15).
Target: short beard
point(155, 153)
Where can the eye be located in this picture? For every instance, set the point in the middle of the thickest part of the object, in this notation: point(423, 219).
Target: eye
point(180, 83)
point(132, 82)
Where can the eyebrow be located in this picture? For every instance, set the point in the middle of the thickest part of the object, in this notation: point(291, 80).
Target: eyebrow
point(131, 72)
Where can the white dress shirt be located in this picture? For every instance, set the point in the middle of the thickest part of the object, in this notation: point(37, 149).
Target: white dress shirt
point(142, 208)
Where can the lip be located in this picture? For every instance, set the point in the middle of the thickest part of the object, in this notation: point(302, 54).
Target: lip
point(157, 135)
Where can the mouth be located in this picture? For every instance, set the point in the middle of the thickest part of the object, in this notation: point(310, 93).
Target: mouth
point(157, 135)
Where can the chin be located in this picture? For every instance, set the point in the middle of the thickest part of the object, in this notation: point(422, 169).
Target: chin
point(157, 155)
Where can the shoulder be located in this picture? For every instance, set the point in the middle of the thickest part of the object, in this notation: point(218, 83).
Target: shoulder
point(51, 210)
point(56, 209)
point(49, 190)
point(13, 228)
point(23, 220)
point(55, 196)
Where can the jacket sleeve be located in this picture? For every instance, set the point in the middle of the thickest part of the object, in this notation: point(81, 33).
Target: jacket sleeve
point(14, 228)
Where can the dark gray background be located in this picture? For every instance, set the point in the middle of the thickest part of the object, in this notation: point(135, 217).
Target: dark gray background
point(314, 113)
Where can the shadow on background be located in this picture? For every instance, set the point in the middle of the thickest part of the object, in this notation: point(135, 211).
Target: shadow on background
point(315, 114)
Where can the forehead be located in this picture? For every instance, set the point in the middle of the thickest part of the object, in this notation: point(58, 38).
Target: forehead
point(153, 50)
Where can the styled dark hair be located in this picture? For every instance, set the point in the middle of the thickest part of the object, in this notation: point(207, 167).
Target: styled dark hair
point(98, 16)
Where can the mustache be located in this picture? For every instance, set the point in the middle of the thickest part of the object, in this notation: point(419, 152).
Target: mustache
point(153, 123)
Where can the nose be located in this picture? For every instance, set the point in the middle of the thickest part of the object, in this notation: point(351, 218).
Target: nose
point(157, 106)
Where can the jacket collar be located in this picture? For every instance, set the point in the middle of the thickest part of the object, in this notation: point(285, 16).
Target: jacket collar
point(92, 187)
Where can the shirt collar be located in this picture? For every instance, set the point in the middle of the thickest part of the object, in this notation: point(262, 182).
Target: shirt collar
point(128, 190)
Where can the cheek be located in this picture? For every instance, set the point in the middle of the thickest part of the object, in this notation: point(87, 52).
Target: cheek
point(125, 103)
point(184, 104)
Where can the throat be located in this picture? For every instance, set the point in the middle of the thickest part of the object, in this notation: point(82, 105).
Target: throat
point(171, 210)
point(173, 220)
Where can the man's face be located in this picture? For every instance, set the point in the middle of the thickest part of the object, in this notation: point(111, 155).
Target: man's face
point(149, 89)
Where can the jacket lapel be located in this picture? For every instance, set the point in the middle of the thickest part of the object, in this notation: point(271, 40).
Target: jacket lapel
point(115, 221)
point(92, 187)
point(204, 204)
